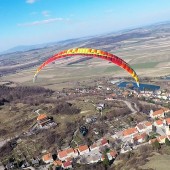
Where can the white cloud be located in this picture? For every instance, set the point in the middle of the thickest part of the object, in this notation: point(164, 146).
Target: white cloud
point(46, 13)
point(30, 1)
point(46, 21)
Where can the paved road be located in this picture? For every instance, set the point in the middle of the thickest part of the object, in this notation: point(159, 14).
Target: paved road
point(129, 105)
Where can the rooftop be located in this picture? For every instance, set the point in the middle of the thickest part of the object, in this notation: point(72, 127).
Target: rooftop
point(83, 148)
point(148, 124)
point(47, 157)
point(62, 154)
point(66, 164)
point(42, 116)
point(158, 112)
point(129, 131)
point(159, 122)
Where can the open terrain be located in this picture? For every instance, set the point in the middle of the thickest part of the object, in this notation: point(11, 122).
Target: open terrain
point(146, 49)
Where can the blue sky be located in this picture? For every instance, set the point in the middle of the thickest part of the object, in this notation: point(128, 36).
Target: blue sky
point(28, 22)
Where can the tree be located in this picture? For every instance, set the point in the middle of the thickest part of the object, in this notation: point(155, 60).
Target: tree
point(106, 161)
point(167, 142)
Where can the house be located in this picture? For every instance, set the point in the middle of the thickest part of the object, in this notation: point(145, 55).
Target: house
point(47, 158)
point(111, 155)
point(130, 132)
point(67, 165)
point(62, 155)
point(158, 123)
point(151, 141)
point(126, 149)
point(72, 153)
point(166, 110)
point(94, 147)
point(91, 158)
point(167, 121)
point(139, 138)
point(167, 129)
point(42, 120)
point(157, 114)
point(83, 149)
point(104, 142)
point(140, 127)
point(161, 139)
point(148, 125)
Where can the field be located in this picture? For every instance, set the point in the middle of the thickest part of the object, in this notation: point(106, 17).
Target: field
point(146, 49)
point(158, 162)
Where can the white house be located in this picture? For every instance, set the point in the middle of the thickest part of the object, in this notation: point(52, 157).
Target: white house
point(111, 155)
point(62, 155)
point(139, 138)
point(47, 158)
point(83, 149)
point(157, 114)
point(130, 132)
point(158, 123)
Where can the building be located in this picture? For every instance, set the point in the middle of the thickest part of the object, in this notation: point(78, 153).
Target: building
point(130, 132)
point(94, 147)
point(157, 114)
point(62, 155)
point(139, 138)
point(148, 125)
point(47, 158)
point(67, 165)
point(158, 123)
point(104, 142)
point(111, 155)
point(161, 139)
point(43, 120)
point(83, 149)
point(140, 127)
point(167, 121)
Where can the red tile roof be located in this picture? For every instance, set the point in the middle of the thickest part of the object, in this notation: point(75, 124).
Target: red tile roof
point(140, 136)
point(62, 154)
point(93, 146)
point(113, 153)
point(104, 141)
point(42, 116)
point(47, 157)
point(70, 150)
point(162, 137)
point(148, 124)
point(66, 164)
point(159, 122)
point(129, 131)
point(83, 148)
point(158, 112)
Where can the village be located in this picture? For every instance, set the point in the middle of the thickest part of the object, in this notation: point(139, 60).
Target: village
point(156, 128)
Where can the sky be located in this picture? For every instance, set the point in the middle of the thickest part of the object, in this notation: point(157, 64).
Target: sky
point(29, 22)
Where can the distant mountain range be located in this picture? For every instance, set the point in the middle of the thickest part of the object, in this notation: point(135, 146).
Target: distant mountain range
point(23, 48)
point(142, 47)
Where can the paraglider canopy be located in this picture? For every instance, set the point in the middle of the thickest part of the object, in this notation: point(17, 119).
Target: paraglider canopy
point(92, 53)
